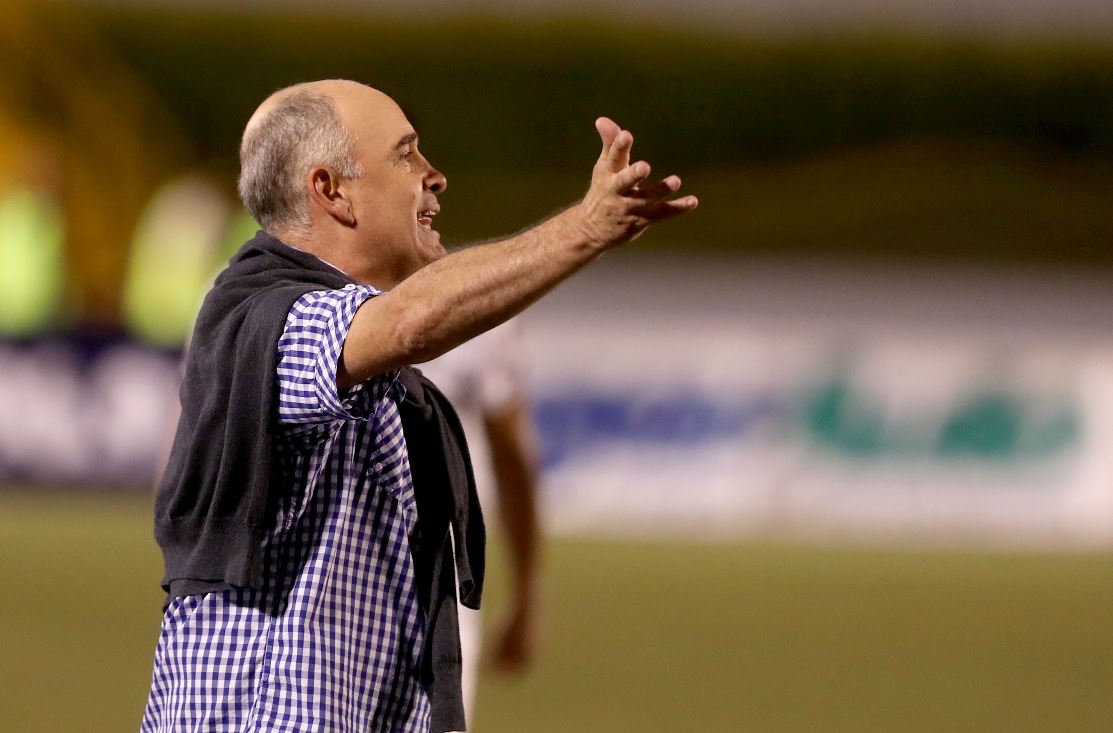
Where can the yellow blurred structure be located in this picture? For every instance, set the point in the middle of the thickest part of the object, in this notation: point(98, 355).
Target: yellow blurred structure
point(76, 125)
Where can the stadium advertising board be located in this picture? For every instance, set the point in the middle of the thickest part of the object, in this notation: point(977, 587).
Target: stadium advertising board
point(698, 402)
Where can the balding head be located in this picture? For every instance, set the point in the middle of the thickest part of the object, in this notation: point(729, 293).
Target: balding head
point(293, 131)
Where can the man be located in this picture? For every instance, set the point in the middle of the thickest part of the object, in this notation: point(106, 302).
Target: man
point(305, 529)
point(485, 381)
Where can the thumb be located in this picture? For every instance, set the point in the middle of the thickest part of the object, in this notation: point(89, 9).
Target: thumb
point(608, 131)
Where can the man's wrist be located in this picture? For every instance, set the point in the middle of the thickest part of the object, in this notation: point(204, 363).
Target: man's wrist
point(578, 228)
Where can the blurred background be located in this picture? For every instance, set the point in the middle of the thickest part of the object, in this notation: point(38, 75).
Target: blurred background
point(834, 453)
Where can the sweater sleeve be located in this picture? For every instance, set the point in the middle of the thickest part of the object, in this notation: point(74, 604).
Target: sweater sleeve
point(308, 352)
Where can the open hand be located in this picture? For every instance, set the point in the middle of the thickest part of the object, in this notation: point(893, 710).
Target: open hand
point(620, 205)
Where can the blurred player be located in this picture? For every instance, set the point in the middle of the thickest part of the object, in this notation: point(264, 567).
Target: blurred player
point(484, 378)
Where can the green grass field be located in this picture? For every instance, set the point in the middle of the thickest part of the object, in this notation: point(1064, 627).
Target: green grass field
point(750, 636)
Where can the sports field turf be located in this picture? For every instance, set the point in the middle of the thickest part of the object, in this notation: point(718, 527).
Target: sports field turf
point(750, 636)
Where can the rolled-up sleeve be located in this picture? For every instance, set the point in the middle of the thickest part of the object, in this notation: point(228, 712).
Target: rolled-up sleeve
point(308, 353)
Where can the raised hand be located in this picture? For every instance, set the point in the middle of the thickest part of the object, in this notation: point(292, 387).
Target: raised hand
point(620, 205)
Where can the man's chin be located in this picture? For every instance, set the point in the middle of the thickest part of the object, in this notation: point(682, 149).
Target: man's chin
point(431, 247)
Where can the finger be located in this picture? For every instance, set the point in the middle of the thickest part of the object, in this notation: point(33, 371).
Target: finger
point(660, 190)
point(630, 176)
point(619, 155)
point(667, 209)
point(608, 131)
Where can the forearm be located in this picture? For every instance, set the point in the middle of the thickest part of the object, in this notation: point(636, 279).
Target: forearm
point(462, 295)
point(522, 535)
point(458, 297)
point(513, 457)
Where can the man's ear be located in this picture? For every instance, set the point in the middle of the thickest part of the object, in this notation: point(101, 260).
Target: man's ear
point(326, 191)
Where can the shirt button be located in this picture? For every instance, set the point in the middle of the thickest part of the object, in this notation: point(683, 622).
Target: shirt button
point(378, 468)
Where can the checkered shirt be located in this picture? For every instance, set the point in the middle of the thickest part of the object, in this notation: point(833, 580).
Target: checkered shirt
point(332, 641)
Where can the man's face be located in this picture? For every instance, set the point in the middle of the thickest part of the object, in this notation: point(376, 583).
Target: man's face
point(395, 199)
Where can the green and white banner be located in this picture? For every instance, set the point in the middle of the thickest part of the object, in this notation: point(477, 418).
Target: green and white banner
point(710, 397)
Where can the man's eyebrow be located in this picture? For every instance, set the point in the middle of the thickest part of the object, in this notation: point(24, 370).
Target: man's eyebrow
point(411, 138)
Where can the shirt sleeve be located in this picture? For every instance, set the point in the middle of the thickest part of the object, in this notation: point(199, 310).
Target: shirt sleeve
point(501, 378)
point(308, 353)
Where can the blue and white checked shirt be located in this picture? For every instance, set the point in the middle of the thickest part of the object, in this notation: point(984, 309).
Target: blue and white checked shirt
point(332, 642)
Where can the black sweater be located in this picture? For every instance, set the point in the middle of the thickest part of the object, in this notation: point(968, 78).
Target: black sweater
point(215, 501)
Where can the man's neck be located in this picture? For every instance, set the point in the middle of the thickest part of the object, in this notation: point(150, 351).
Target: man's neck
point(337, 255)
point(299, 245)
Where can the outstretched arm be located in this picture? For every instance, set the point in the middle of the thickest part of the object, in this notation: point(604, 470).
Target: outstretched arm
point(466, 293)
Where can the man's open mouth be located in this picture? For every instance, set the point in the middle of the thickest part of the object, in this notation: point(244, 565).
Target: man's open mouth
point(425, 218)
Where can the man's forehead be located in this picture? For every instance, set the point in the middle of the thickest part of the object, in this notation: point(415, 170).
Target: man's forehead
point(364, 110)
point(360, 97)
point(368, 113)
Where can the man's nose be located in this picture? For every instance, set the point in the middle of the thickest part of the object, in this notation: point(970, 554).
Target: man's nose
point(435, 180)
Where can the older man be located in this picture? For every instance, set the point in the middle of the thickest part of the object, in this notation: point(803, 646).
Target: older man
point(318, 494)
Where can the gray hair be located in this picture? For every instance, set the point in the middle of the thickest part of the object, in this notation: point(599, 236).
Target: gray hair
point(302, 131)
